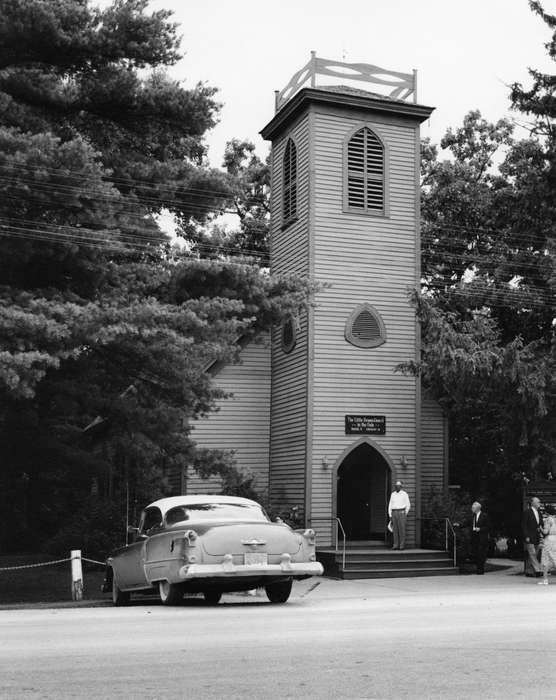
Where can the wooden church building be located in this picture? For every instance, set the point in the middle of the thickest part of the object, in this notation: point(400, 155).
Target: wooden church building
point(318, 414)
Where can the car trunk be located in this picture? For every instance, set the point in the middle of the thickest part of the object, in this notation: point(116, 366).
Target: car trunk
point(241, 538)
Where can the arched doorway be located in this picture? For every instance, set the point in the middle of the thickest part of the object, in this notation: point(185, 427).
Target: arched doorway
point(363, 487)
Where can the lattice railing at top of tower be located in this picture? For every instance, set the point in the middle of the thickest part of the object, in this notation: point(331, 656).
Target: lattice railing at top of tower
point(404, 84)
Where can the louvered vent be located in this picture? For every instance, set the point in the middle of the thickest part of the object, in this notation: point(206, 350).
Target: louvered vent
point(365, 171)
point(364, 328)
point(290, 183)
point(288, 335)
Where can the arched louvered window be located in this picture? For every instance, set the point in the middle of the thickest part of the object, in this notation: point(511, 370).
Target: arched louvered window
point(365, 173)
point(289, 211)
point(289, 334)
point(365, 328)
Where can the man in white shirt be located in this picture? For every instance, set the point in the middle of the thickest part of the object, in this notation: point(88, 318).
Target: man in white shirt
point(398, 508)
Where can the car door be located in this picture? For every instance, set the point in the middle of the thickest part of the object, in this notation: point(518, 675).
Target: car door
point(130, 565)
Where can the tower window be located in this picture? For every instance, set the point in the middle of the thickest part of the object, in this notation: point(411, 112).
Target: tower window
point(289, 334)
point(365, 173)
point(289, 211)
point(365, 328)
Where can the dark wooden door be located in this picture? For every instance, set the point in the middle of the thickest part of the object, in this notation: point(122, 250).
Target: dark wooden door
point(354, 502)
point(363, 484)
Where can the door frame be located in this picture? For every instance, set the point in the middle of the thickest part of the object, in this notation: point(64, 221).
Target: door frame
point(337, 464)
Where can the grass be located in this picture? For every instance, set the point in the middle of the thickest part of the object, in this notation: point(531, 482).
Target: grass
point(45, 584)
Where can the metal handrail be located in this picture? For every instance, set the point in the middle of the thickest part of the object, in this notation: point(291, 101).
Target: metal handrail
point(340, 527)
point(448, 528)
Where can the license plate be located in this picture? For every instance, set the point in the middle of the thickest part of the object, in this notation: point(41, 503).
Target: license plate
point(255, 559)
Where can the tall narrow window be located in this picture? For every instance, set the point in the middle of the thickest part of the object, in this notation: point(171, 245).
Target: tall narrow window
point(365, 172)
point(290, 183)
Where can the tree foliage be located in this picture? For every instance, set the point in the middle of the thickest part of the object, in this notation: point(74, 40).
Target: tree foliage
point(249, 232)
point(488, 300)
point(106, 327)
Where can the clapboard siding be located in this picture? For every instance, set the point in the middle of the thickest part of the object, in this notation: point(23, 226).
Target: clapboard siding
point(433, 446)
point(242, 420)
point(364, 259)
point(289, 253)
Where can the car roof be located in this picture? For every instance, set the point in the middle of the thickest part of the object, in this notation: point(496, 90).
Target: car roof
point(172, 501)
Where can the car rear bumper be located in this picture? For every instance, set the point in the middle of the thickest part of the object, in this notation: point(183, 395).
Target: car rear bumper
point(228, 569)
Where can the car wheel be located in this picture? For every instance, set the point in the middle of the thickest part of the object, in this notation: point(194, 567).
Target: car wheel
point(212, 597)
point(170, 593)
point(119, 597)
point(279, 592)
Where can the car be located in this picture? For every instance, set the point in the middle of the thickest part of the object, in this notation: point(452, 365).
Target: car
point(211, 545)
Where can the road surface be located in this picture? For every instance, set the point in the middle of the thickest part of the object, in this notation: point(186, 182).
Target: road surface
point(458, 637)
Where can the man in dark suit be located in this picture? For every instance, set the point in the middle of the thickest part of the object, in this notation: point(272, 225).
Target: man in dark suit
point(531, 526)
point(480, 534)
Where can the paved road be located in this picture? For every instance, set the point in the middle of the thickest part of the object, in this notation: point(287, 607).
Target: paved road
point(458, 637)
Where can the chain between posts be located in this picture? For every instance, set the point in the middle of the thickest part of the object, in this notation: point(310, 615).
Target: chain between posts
point(94, 561)
point(33, 566)
point(49, 563)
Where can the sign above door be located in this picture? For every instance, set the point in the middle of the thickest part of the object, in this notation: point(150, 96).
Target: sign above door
point(367, 425)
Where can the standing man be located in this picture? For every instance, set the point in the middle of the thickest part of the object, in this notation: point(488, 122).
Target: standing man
point(398, 508)
point(480, 531)
point(531, 525)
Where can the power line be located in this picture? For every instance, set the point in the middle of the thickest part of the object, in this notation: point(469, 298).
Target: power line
point(109, 245)
point(129, 181)
point(150, 237)
point(91, 235)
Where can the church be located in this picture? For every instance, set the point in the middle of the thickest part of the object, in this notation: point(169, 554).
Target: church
point(317, 411)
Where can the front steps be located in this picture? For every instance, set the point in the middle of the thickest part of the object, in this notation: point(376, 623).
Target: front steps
point(380, 562)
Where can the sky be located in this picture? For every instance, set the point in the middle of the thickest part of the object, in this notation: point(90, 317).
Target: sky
point(467, 52)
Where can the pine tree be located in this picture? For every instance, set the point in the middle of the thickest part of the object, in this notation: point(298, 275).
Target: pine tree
point(105, 325)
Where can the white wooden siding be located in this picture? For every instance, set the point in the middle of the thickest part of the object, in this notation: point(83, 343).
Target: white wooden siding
point(289, 253)
point(433, 446)
point(365, 259)
point(242, 422)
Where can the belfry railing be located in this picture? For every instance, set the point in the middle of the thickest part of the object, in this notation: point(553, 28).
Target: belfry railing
point(402, 85)
point(336, 534)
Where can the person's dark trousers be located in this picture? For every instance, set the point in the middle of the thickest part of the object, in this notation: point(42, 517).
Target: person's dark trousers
point(532, 565)
point(479, 551)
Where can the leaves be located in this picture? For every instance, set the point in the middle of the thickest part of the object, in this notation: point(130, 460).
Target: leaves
point(106, 327)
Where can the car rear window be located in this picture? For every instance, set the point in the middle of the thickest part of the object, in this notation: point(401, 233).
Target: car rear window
point(215, 511)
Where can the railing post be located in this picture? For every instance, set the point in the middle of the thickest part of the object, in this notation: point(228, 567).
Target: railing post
point(76, 575)
point(313, 68)
point(446, 533)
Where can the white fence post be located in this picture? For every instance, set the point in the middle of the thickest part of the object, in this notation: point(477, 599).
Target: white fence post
point(76, 575)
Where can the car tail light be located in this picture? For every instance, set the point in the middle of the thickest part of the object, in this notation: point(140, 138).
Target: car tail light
point(190, 536)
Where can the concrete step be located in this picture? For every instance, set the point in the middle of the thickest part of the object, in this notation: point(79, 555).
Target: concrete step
point(398, 573)
point(383, 552)
point(369, 564)
point(386, 563)
point(387, 555)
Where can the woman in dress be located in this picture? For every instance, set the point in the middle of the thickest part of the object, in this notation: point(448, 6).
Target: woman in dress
point(548, 556)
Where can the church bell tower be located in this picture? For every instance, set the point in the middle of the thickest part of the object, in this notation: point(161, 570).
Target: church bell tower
point(345, 212)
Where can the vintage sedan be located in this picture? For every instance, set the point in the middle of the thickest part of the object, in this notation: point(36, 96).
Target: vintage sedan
point(210, 545)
